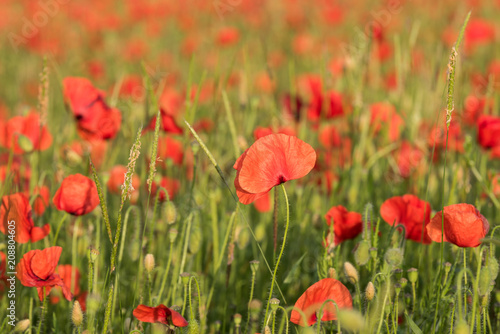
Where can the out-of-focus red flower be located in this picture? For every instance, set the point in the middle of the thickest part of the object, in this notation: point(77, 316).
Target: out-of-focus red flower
point(18, 171)
point(95, 120)
point(159, 314)
point(313, 298)
point(203, 125)
point(170, 185)
point(168, 123)
point(28, 126)
point(409, 211)
point(474, 107)
point(488, 130)
point(408, 158)
point(260, 131)
point(65, 271)
point(464, 225)
point(3, 272)
point(346, 224)
point(292, 106)
point(271, 161)
point(171, 101)
point(132, 87)
point(437, 137)
point(329, 137)
point(227, 36)
point(77, 195)
point(42, 199)
point(170, 148)
point(303, 44)
point(117, 178)
point(264, 82)
point(16, 208)
point(37, 269)
point(382, 114)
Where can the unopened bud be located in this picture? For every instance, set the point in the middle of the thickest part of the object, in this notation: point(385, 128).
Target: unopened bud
point(332, 273)
point(352, 320)
point(149, 263)
point(93, 254)
point(172, 235)
point(370, 291)
point(351, 272)
point(170, 212)
point(362, 254)
point(77, 314)
point(25, 143)
point(484, 281)
point(493, 267)
point(403, 281)
point(462, 328)
point(267, 330)
point(193, 327)
point(22, 326)
point(394, 257)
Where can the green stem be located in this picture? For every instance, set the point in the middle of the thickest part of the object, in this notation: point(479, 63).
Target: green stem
point(282, 249)
point(165, 274)
point(59, 227)
point(43, 311)
point(249, 301)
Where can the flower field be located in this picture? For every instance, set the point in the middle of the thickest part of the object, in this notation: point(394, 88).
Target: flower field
point(237, 166)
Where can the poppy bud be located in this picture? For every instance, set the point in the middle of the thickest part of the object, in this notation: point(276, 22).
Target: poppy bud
point(172, 234)
point(254, 266)
point(24, 143)
point(22, 326)
point(398, 273)
point(394, 257)
point(373, 253)
point(267, 330)
point(332, 273)
point(243, 238)
point(412, 275)
point(484, 281)
point(193, 327)
point(254, 307)
point(170, 212)
point(352, 320)
point(493, 267)
point(77, 314)
point(351, 272)
point(93, 303)
point(362, 254)
point(370, 291)
point(274, 302)
point(195, 240)
point(397, 287)
point(462, 327)
point(149, 263)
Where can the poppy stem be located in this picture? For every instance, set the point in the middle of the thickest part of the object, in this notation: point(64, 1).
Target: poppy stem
point(282, 249)
point(42, 314)
point(275, 217)
point(465, 280)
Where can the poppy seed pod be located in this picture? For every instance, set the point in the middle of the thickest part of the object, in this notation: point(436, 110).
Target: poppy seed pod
point(351, 272)
point(484, 281)
point(254, 266)
point(172, 235)
point(77, 314)
point(462, 328)
point(237, 319)
point(274, 302)
point(22, 326)
point(170, 212)
point(412, 275)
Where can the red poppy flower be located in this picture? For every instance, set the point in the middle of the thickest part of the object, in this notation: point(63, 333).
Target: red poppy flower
point(170, 185)
point(170, 148)
point(117, 178)
point(168, 123)
point(329, 137)
point(260, 132)
point(29, 127)
point(159, 314)
point(263, 204)
point(37, 269)
point(408, 158)
point(311, 300)
point(95, 120)
point(77, 195)
point(227, 36)
point(16, 207)
point(385, 113)
point(3, 271)
point(409, 211)
point(464, 226)
point(488, 128)
point(292, 106)
point(271, 161)
point(346, 225)
point(42, 199)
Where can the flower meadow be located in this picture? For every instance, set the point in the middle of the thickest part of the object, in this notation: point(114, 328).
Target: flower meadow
point(237, 166)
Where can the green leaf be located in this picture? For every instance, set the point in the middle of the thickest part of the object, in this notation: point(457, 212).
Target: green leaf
point(294, 272)
point(413, 325)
